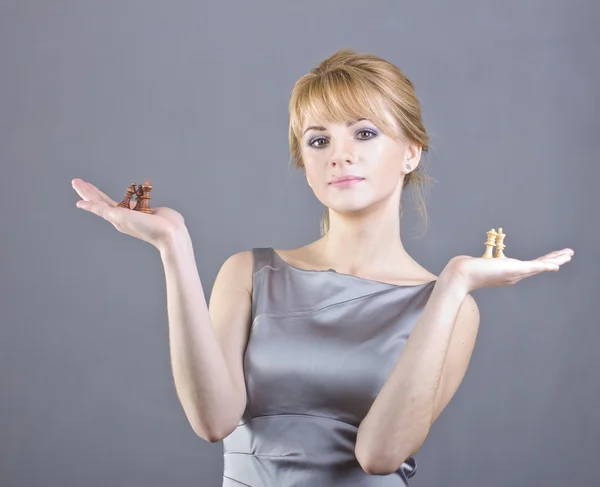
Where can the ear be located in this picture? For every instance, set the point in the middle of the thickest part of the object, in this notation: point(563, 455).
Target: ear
point(413, 155)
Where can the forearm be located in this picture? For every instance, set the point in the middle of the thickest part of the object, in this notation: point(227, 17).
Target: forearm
point(401, 415)
point(202, 380)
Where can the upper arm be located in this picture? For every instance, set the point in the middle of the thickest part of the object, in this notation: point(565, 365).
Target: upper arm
point(460, 350)
point(230, 309)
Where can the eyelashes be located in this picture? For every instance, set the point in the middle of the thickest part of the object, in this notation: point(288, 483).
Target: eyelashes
point(311, 142)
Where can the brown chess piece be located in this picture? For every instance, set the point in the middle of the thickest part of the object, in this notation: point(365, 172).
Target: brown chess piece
point(143, 197)
point(128, 196)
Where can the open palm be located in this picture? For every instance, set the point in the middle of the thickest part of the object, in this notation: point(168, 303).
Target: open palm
point(478, 273)
point(152, 228)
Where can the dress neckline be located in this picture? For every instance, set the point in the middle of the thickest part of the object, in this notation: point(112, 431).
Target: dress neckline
point(334, 272)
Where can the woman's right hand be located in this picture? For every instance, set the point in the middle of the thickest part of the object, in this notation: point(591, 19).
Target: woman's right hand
point(153, 228)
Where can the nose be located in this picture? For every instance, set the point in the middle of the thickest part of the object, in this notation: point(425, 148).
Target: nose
point(342, 153)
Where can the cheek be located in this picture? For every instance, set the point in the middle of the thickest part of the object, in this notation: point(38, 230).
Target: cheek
point(315, 171)
point(392, 170)
point(385, 178)
point(310, 176)
point(385, 165)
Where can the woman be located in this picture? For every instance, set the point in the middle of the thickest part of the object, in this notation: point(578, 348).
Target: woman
point(302, 364)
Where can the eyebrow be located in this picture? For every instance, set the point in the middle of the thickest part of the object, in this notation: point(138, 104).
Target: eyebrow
point(320, 127)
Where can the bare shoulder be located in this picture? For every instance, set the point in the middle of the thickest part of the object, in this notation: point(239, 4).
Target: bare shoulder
point(237, 270)
point(232, 290)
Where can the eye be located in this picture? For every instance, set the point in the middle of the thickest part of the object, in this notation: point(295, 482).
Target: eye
point(370, 132)
point(313, 142)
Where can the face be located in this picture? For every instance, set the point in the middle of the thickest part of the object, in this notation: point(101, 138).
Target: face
point(357, 148)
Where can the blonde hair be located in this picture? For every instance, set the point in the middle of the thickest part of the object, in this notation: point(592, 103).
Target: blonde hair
point(349, 86)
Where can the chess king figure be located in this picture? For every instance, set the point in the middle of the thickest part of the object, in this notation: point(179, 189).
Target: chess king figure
point(495, 239)
point(142, 194)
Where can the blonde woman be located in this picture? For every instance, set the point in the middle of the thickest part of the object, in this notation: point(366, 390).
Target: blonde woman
point(327, 364)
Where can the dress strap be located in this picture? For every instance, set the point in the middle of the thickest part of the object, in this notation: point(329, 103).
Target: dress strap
point(263, 256)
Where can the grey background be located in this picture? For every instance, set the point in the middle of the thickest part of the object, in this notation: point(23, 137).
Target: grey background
point(193, 95)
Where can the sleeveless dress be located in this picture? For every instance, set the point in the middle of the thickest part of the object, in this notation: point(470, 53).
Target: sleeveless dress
point(321, 346)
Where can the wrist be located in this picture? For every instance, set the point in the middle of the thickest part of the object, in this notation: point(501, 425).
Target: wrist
point(173, 241)
point(450, 278)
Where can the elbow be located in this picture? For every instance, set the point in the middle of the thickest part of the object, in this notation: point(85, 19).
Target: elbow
point(372, 461)
point(382, 465)
point(207, 434)
point(374, 469)
point(215, 430)
point(376, 466)
point(213, 435)
point(378, 462)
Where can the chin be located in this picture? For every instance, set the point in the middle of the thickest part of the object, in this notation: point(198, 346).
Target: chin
point(348, 207)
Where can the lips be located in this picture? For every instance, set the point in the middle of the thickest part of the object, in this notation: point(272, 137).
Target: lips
point(346, 178)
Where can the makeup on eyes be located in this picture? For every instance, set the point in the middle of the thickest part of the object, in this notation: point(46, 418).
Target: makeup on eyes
point(371, 131)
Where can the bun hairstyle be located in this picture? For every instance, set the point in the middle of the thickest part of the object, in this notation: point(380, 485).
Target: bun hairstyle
point(349, 86)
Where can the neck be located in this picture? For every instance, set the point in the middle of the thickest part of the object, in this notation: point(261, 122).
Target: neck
point(364, 242)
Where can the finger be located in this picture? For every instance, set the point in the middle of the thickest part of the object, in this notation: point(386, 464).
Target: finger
point(102, 195)
point(540, 265)
point(549, 263)
point(82, 189)
point(99, 208)
point(88, 192)
point(558, 259)
point(557, 252)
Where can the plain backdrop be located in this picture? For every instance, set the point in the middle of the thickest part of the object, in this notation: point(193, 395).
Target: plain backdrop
point(193, 95)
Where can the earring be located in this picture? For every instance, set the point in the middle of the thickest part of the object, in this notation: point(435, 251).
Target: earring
point(409, 167)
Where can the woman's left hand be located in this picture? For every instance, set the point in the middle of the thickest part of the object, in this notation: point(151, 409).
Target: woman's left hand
point(478, 273)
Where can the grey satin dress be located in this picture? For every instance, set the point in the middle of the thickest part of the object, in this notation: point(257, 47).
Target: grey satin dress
point(320, 348)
